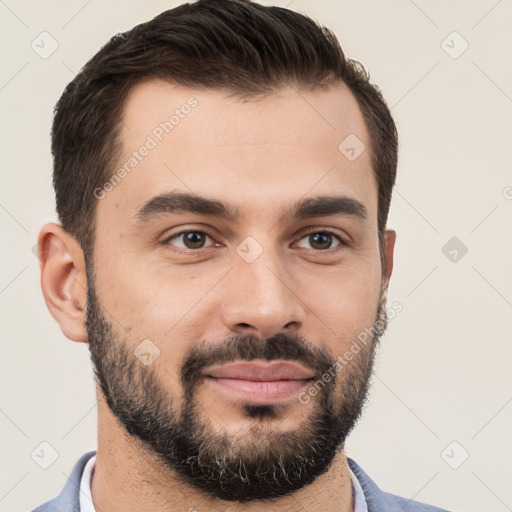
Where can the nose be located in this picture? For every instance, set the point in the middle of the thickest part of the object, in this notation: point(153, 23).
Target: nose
point(260, 299)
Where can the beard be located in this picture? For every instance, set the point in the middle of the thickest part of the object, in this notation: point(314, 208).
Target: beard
point(263, 462)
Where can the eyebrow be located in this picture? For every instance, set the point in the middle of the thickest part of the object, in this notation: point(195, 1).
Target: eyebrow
point(182, 203)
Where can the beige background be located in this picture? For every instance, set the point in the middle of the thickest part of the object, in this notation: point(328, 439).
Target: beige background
point(443, 372)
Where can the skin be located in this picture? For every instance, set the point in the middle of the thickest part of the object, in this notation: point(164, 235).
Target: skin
point(260, 156)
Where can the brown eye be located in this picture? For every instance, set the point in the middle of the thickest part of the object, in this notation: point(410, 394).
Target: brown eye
point(191, 239)
point(322, 240)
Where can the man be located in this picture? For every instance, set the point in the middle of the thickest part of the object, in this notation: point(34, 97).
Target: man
point(223, 176)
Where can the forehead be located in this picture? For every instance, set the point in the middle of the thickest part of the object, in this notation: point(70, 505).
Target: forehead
point(258, 154)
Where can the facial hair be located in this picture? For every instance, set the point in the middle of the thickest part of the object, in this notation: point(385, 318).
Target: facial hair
point(263, 463)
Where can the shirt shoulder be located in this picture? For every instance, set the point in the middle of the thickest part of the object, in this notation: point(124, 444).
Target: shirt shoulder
point(69, 498)
point(380, 501)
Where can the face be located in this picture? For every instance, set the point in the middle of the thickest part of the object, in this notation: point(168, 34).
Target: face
point(222, 291)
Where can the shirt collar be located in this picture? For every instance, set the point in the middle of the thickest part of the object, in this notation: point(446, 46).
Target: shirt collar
point(86, 503)
point(360, 504)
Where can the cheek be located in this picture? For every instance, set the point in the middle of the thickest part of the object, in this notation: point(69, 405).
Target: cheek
point(346, 303)
point(151, 304)
point(137, 296)
point(150, 317)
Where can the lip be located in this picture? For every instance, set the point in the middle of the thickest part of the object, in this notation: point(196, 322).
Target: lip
point(259, 382)
point(261, 371)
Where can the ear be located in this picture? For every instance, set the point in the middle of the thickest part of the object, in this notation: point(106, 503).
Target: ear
point(389, 246)
point(63, 279)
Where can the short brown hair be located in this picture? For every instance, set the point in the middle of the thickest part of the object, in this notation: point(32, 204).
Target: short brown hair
point(233, 45)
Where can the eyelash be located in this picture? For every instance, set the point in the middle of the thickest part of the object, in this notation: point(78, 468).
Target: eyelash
point(314, 231)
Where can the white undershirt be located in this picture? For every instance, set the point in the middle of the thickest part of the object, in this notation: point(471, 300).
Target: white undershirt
point(86, 504)
point(359, 499)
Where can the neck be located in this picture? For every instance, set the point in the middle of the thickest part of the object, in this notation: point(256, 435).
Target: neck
point(128, 477)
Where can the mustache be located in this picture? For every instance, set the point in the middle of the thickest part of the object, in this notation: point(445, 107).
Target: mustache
point(248, 348)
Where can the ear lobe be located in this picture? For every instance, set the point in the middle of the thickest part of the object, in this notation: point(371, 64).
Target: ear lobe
point(389, 246)
point(63, 280)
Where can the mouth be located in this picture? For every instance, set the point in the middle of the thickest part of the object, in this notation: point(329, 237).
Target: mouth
point(259, 382)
